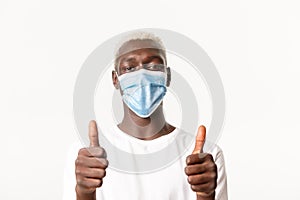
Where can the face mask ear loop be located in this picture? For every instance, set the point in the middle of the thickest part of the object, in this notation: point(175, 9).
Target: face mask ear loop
point(118, 87)
point(167, 75)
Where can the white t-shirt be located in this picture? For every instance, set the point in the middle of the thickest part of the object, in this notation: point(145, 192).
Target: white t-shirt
point(166, 183)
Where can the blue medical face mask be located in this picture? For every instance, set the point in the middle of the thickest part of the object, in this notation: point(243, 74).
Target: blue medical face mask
point(143, 90)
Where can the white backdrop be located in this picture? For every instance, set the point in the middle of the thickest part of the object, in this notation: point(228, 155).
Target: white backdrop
point(254, 44)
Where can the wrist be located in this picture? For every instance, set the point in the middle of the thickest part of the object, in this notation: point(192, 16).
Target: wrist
point(84, 195)
point(204, 196)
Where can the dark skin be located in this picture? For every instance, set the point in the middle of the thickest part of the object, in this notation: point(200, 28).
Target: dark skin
point(132, 124)
point(91, 162)
point(90, 166)
point(201, 169)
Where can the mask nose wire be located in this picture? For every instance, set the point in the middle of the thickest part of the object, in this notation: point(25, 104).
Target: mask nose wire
point(142, 66)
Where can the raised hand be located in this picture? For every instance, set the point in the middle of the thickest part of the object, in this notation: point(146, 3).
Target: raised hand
point(90, 166)
point(201, 169)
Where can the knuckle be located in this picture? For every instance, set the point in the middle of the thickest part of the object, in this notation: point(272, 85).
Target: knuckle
point(103, 173)
point(211, 166)
point(81, 151)
point(100, 151)
point(194, 188)
point(99, 183)
point(90, 184)
point(104, 162)
point(77, 161)
point(214, 168)
point(186, 170)
point(103, 152)
point(209, 157)
point(77, 171)
point(188, 158)
point(97, 152)
point(190, 179)
point(212, 175)
point(213, 185)
point(79, 181)
point(205, 187)
point(209, 187)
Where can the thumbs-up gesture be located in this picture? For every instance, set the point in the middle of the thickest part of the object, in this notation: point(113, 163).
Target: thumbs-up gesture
point(201, 169)
point(90, 166)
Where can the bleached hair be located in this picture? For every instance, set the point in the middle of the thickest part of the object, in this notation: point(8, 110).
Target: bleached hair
point(140, 35)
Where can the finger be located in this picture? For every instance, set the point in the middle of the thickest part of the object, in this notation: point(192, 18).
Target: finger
point(194, 169)
point(93, 134)
point(93, 152)
point(196, 159)
point(203, 189)
point(91, 173)
point(91, 162)
point(198, 179)
point(90, 182)
point(200, 139)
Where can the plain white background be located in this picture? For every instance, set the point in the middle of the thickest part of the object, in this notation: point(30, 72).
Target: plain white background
point(254, 45)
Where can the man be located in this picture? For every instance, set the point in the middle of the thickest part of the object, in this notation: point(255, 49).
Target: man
point(142, 77)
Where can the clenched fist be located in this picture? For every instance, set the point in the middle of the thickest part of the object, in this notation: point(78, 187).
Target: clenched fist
point(90, 166)
point(201, 169)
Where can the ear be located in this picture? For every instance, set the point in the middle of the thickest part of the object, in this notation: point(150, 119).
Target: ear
point(168, 76)
point(115, 79)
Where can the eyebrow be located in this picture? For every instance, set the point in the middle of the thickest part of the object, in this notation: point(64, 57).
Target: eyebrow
point(132, 59)
point(128, 59)
point(156, 57)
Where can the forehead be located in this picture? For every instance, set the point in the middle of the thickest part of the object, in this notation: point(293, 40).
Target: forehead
point(140, 54)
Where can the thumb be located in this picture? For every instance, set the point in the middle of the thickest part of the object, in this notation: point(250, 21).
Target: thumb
point(200, 140)
point(93, 134)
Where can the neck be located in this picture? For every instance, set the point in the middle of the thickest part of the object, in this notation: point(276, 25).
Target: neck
point(148, 128)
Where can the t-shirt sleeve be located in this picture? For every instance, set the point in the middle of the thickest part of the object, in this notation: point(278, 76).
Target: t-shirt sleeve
point(221, 190)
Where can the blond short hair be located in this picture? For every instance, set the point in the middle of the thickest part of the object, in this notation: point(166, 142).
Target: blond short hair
point(139, 35)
